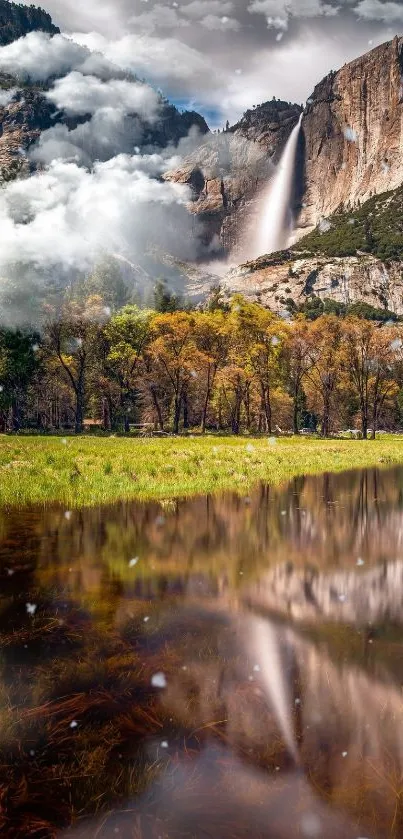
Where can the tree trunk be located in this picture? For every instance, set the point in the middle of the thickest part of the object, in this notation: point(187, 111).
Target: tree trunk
point(107, 417)
point(185, 410)
point(364, 422)
point(295, 415)
point(267, 408)
point(177, 413)
point(206, 403)
point(15, 415)
point(79, 419)
point(157, 407)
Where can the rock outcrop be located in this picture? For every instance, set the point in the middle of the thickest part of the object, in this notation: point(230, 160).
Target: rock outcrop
point(351, 140)
point(353, 133)
point(274, 281)
point(17, 20)
point(228, 171)
point(29, 112)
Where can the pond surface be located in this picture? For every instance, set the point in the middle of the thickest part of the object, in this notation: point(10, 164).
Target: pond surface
point(215, 667)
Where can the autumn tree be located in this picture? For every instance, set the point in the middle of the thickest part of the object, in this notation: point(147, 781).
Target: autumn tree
point(127, 334)
point(299, 362)
point(325, 363)
point(72, 338)
point(211, 340)
point(176, 358)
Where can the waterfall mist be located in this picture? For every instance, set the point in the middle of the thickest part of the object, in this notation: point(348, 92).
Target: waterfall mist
point(274, 225)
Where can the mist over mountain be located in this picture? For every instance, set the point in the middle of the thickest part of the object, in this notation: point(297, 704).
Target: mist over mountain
point(94, 161)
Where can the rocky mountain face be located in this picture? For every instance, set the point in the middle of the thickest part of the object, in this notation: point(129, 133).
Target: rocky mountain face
point(353, 133)
point(351, 140)
point(17, 20)
point(286, 279)
point(228, 171)
point(29, 112)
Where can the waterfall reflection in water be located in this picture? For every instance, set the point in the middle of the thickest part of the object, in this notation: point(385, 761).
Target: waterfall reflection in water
point(277, 623)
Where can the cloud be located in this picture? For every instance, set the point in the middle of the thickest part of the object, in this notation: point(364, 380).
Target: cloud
point(68, 216)
point(388, 12)
point(199, 9)
point(6, 96)
point(163, 61)
point(163, 17)
point(79, 94)
point(39, 56)
point(220, 23)
point(278, 12)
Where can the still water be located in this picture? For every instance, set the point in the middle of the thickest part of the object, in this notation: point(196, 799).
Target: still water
point(215, 667)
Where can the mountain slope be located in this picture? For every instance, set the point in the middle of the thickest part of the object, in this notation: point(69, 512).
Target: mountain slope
point(228, 171)
point(17, 20)
point(353, 133)
point(354, 257)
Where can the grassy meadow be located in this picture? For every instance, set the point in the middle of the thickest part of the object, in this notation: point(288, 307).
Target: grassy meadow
point(79, 471)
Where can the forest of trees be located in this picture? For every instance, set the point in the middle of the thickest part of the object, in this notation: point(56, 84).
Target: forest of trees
point(233, 367)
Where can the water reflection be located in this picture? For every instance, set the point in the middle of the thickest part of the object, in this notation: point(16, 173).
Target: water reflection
point(274, 625)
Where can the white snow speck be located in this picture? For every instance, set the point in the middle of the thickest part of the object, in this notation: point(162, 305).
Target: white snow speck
point(10, 572)
point(159, 680)
point(342, 598)
point(146, 619)
point(298, 702)
point(344, 754)
point(250, 448)
point(324, 225)
point(360, 561)
point(133, 562)
point(31, 608)
point(73, 724)
point(67, 515)
point(311, 825)
point(164, 744)
point(350, 134)
point(32, 753)
point(257, 668)
point(64, 441)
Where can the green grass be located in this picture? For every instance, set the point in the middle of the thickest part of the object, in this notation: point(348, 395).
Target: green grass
point(87, 471)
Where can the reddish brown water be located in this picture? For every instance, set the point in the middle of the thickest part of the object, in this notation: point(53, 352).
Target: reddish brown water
point(216, 667)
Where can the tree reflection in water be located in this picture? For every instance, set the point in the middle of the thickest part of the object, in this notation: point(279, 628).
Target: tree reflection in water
point(276, 621)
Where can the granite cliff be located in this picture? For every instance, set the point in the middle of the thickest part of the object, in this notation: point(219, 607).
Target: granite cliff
point(351, 139)
point(228, 171)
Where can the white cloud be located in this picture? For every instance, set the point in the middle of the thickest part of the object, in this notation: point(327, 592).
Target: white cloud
point(68, 216)
point(388, 12)
point(201, 8)
point(278, 12)
point(163, 17)
point(222, 24)
point(78, 94)
point(163, 61)
point(6, 96)
point(39, 56)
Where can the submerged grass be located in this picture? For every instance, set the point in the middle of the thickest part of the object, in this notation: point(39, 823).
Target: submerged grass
point(79, 471)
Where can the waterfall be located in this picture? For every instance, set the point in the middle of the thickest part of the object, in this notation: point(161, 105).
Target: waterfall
point(273, 231)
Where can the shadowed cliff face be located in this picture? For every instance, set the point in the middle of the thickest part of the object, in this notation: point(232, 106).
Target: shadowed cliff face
point(229, 171)
point(17, 20)
point(353, 130)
